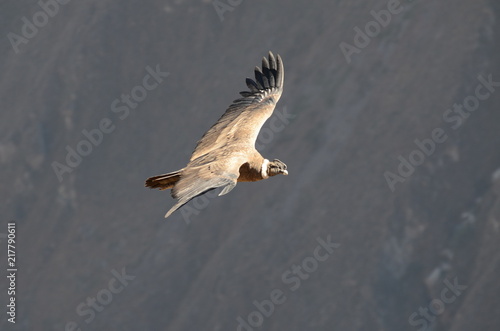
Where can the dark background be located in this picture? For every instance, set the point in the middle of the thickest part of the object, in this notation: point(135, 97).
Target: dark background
point(398, 249)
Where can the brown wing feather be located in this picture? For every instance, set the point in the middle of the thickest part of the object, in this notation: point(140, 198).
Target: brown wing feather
point(242, 121)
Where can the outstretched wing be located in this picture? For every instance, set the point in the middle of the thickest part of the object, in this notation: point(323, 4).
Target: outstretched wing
point(207, 173)
point(242, 121)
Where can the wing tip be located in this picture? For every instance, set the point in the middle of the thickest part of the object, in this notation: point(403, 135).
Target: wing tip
point(174, 208)
point(281, 71)
point(270, 76)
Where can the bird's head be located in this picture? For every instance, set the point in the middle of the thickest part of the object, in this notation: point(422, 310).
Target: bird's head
point(276, 167)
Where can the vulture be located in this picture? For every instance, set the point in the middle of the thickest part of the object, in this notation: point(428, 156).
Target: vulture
point(226, 153)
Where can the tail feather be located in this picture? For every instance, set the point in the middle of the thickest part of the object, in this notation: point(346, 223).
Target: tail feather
point(164, 181)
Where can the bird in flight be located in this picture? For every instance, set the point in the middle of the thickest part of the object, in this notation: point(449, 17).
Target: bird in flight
point(226, 153)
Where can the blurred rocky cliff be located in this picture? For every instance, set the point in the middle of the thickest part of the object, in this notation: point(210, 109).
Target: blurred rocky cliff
point(389, 125)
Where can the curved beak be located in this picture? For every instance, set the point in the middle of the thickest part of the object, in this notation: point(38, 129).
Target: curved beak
point(285, 172)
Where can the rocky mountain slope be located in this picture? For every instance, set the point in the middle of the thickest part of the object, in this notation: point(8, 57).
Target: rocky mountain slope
point(389, 125)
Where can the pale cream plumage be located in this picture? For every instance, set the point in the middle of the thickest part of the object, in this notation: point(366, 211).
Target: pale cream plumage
point(226, 153)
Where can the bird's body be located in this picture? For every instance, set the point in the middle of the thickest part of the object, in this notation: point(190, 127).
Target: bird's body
point(226, 153)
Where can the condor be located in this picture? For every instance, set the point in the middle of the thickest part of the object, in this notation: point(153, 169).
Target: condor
point(226, 153)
